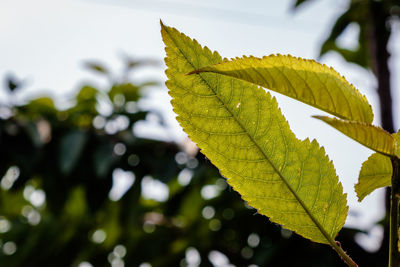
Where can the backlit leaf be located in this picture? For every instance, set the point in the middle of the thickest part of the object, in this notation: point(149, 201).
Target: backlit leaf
point(304, 80)
point(376, 172)
point(368, 135)
point(240, 128)
point(396, 137)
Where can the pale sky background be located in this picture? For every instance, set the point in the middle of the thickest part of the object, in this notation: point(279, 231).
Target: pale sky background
point(45, 42)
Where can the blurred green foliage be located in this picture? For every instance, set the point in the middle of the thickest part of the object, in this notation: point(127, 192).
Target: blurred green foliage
point(368, 15)
point(59, 203)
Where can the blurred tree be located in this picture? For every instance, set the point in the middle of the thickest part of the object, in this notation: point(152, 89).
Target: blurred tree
point(78, 187)
point(375, 20)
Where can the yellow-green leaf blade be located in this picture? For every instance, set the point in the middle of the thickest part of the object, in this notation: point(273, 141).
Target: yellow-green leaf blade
point(240, 128)
point(376, 172)
point(304, 80)
point(368, 135)
point(396, 137)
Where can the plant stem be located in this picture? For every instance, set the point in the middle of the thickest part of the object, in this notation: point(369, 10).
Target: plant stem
point(394, 259)
point(346, 258)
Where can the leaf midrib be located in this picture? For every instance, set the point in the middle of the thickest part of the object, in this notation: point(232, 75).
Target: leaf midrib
point(319, 226)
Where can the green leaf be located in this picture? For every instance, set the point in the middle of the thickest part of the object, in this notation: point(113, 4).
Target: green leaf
point(368, 135)
point(86, 101)
point(128, 90)
point(240, 128)
point(87, 94)
point(97, 67)
point(304, 80)
point(396, 137)
point(85, 110)
point(71, 147)
point(376, 172)
point(103, 159)
point(42, 106)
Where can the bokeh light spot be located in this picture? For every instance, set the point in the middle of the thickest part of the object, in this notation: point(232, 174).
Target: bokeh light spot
point(119, 149)
point(215, 225)
point(208, 212)
point(185, 177)
point(192, 257)
point(247, 253)
point(5, 225)
point(9, 248)
point(253, 240)
point(99, 236)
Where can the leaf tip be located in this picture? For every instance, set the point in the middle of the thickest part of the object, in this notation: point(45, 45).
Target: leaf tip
point(325, 119)
point(163, 26)
point(317, 117)
point(360, 197)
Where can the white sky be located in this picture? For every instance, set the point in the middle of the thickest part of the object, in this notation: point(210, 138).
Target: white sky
point(46, 41)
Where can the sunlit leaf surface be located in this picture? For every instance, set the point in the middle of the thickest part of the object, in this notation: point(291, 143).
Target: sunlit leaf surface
point(376, 172)
point(304, 80)
point(370, 136)
point(240, 128)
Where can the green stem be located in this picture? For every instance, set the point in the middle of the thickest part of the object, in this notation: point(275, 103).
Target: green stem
point(394, 259)
point(346, 258)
